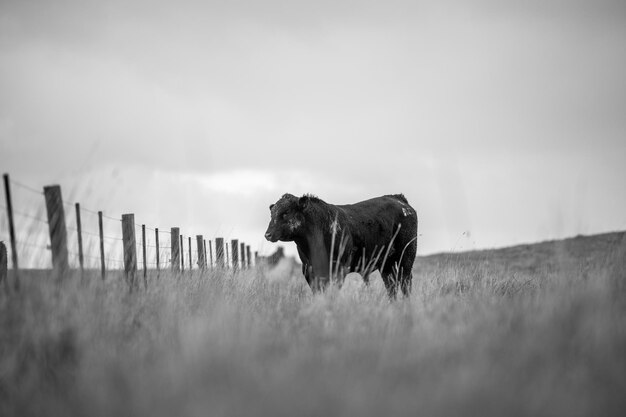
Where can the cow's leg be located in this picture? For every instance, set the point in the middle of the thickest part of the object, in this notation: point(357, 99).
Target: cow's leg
point(364, 274)
point(406, 282)
point(306, 272)
point(406, 270)
point(307, 269)
point(319, 268)
point(318, 284)
point(391, 283)
point(399, 279)
point(394, 279)
point(357, 264)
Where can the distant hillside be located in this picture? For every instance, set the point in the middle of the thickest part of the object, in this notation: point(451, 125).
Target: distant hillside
point(580, 252)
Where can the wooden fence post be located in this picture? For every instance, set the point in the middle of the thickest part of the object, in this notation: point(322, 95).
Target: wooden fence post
point(7, 195)
point(145, 263)
point(234, 247)
point(80, 241)
point(58, 232)
point(205, 258)
point(200, 245)
point(175, 249)
point(156, 238)
point(4, 267)
point(248, 260)
point(102, 268)
point(189, 249)
point(130, 249)
point(219, 252)
point(210, 254)
point(243, 255)
point(182, 255)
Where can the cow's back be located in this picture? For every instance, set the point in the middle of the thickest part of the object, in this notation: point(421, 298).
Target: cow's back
point(373, 222)
point(388, 206)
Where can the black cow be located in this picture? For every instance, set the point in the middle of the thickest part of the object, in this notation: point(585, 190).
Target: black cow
point(380, 233)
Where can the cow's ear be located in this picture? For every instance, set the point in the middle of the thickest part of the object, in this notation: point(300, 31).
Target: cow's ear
point(271, 206)
point(303, 202)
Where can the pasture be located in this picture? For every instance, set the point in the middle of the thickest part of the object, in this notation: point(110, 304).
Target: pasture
point(531, 330)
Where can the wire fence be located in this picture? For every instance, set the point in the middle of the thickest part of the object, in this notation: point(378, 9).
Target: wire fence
point(95, 240)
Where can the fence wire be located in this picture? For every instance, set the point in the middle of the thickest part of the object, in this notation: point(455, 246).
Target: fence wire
point(33, 244)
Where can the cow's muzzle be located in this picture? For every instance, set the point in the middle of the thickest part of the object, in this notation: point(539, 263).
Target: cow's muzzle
point(270, 237)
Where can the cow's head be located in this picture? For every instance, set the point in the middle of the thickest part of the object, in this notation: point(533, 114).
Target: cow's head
point(288, 219)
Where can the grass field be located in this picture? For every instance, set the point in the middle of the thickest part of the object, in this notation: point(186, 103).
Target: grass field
point(533, 330)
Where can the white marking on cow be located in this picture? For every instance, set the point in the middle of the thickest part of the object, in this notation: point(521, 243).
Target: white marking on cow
point(406, 211)
point(294, 224)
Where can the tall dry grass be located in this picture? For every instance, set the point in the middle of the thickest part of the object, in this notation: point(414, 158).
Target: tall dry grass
point(480, 335)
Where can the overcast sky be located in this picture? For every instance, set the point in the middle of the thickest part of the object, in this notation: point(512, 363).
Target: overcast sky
point(500, 118)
